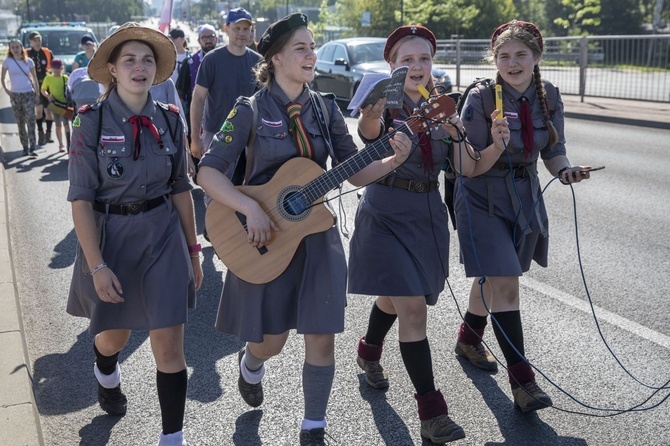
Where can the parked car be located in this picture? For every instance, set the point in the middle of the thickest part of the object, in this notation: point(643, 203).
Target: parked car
point(62, 38)
point(341, 64)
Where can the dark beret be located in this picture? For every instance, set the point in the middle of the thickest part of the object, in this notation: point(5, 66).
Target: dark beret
point(279, 28)
point(527, 26)
point(408, 30)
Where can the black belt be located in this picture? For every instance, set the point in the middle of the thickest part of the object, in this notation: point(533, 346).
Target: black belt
point(132, 208)
point(520, 169)
point(410, 185)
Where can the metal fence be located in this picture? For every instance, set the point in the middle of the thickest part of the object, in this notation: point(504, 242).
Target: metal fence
point(624, 67)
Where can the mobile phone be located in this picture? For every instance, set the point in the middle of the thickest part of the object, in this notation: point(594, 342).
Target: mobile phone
point(592, 169)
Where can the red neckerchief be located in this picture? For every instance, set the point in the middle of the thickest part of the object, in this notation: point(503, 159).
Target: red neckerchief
point(137, 122)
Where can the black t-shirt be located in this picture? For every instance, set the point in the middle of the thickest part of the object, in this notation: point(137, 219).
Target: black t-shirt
point(42, 60)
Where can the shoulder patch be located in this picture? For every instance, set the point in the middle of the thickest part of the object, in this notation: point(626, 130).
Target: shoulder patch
point(85, 108)
point(173, 108)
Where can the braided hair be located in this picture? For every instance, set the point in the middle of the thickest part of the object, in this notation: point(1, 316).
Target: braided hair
point(524, 34)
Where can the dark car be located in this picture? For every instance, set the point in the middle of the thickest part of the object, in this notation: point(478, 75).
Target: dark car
point(340, 65)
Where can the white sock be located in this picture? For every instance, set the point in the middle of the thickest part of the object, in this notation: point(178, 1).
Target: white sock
point(308, 425)
point(108, 381)
point(176, 439)
point(248, 375)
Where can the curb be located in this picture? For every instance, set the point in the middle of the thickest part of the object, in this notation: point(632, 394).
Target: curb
point(17, 400)
point(617, 120)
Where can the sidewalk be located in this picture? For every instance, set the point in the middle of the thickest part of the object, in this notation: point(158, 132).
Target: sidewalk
point(19, 417)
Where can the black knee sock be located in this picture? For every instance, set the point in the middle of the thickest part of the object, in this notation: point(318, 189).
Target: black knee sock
point(510, 323)
point(474, 321)
point(419, 364)
point(49, 123)
point(172, 397)
point(379, 325)
point(40, 124)
point(106, 364)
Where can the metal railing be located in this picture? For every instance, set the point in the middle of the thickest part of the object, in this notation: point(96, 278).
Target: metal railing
point(623, 67)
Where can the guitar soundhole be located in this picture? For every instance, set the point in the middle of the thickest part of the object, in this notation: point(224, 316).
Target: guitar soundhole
point(292, 204)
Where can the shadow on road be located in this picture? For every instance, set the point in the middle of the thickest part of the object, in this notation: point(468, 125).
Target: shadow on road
point(390, 425)
point(246, 429)
point(517, 428)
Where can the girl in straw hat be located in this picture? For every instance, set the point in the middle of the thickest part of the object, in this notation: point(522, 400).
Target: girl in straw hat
point(138, 263)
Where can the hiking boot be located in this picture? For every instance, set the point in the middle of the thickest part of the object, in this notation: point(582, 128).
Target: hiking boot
point(478, 356)
point(375, 375)
point(252, 394)
point(48, 138)
point(41, 138)
point(441, 429)
point(313, 437)
point(26, 151)
point(528, 397)
point(112, 401)
point(32, 153)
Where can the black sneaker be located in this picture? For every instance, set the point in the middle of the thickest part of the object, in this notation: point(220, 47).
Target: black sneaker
point(41, 140)
point(32, 153)
point(112, 401)
point(252, 394)
point(313, 437)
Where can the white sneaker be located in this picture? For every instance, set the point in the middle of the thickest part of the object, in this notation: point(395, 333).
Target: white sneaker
point(176, 439)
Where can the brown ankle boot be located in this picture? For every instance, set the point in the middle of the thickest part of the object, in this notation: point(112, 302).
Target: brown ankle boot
point(435, 422)
point(368, 360)
point(528, 396)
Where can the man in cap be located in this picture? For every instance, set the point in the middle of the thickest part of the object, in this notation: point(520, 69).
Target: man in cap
point(215, 94)
point(42, 57)
point(179, 39)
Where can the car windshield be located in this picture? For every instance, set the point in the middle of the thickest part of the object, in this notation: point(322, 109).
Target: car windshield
point(61, 41)
point(367, 52)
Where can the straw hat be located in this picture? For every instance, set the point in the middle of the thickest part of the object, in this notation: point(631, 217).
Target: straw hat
point(164, 51)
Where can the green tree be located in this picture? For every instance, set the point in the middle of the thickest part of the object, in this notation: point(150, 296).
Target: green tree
point(581, 17)
point(119, 11)
point(383, 17)
point(620, 17)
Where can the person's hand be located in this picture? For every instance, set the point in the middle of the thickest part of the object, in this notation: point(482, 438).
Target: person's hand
point(454, 124)
point(197, 271)
point(574, 174)
point(107, 286)
point(374, 111)
point(401, 145)
point(191, 166)
point(259, 226)
point(197, 149)
point(499, 131)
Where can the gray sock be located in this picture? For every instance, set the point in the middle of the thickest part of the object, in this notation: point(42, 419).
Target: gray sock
point(317, 382)
point(252, 362)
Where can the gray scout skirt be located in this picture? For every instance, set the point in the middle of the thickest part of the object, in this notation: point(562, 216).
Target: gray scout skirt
point(309, 296)
point(148, 254)
point(400, 246)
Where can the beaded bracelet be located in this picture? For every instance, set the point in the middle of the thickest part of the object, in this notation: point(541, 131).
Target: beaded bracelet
point(97, 268)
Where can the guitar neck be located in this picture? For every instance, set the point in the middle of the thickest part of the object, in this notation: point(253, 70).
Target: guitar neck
point(331, 179)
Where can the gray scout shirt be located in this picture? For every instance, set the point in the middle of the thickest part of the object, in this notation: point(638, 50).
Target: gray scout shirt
point(273, 144)
point(104, 169)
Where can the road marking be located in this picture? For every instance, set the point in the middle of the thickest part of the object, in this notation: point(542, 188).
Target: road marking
point(602, 314)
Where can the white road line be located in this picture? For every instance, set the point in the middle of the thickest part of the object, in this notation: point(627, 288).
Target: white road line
point(602, 314)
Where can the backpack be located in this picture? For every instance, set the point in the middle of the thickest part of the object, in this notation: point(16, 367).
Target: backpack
point(239, 170)
point(489, 101)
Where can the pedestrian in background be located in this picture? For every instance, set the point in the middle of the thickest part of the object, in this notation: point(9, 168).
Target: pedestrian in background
point(399, 250)
point(179, 39)
point(82, 58)
point(215, 94)
point(24, 94)
point(54, 87)
point(42, 57)
point(309, 296)
point(138, 262)
point(500, 212)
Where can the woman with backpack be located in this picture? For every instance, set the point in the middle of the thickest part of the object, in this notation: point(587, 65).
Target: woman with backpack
point(138, 262)
point(500, 213)
point(24, 93)
point(309, 295)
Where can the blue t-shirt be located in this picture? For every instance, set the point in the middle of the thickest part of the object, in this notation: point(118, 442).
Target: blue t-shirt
point(224, 89)
point(81, 59)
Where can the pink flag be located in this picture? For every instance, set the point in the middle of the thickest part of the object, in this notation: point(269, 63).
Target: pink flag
point(166, 17)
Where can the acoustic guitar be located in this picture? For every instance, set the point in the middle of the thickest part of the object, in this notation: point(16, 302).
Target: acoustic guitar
point(293, 199)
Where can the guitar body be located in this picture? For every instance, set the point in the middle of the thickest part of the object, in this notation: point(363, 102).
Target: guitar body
point(228, 235)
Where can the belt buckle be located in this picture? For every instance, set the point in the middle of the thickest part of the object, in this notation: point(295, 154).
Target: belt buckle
point(417, 186)
point(134, 208)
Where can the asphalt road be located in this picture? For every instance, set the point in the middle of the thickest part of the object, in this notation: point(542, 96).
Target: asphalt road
point(624, 245)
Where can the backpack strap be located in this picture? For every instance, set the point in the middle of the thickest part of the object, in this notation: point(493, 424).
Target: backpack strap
point(241, 172)
point(173, 133)
point(323, 118)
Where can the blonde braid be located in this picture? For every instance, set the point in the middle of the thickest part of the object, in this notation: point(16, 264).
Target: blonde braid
point(542, 97)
